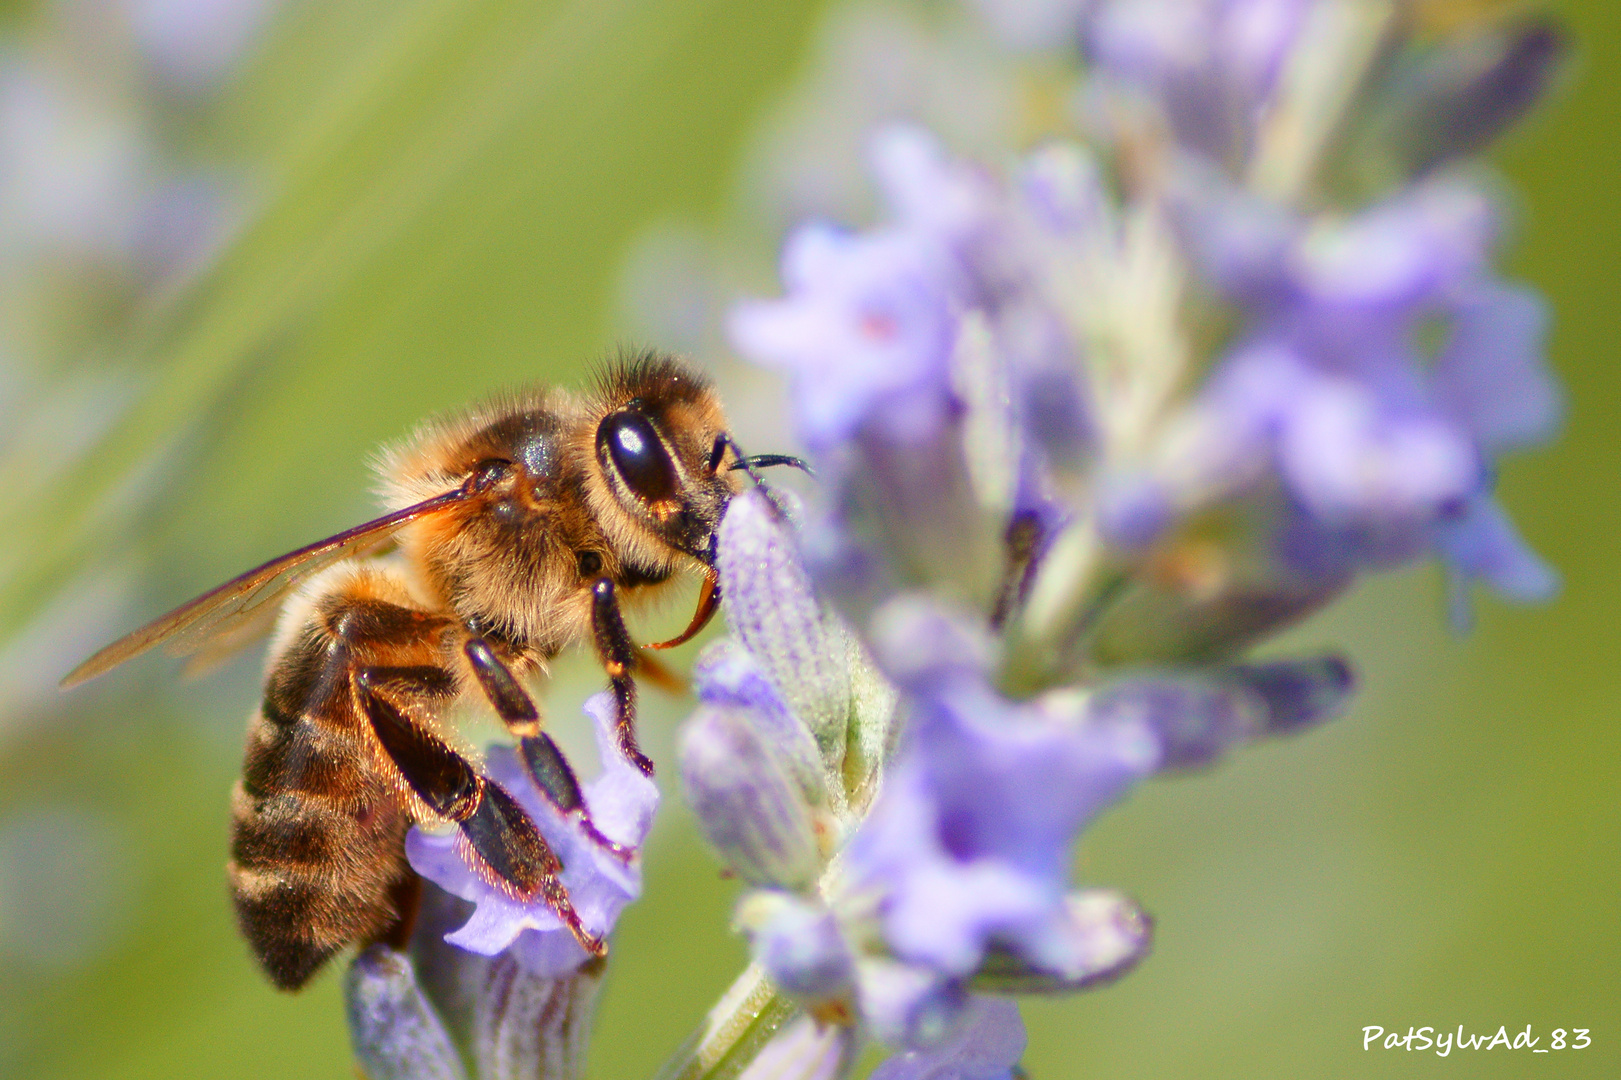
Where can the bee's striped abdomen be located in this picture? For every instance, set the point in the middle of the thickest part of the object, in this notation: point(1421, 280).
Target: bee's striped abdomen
point(318, 826)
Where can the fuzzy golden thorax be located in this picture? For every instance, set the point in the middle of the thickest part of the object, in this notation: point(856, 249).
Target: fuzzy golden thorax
point(563, 503)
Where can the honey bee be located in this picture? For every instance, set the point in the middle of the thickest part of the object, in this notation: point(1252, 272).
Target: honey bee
point(521, 528)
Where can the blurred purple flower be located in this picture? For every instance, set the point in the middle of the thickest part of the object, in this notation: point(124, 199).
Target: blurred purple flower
point(866, 322)
point(869, 321)
point(1209, 65)
point(969, 842)
point(621, 802)
point(1350, 449)
point(1331, 391)
point(1481, 543)
point(800, 945)
point(1491, 376)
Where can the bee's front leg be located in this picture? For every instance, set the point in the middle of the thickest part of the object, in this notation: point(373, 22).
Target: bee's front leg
point(618, 654)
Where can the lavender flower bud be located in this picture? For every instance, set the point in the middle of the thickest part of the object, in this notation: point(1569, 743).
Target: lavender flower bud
point(799, 944)
point(727, 675)
point(1209, 68)
point(1472, 89)
point(396, 1033)
point(749, 807)
point(1297, 693)
point(1196, 719)
point(775, 611)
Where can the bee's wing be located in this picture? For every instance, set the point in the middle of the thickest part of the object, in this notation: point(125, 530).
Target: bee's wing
point(232, 612)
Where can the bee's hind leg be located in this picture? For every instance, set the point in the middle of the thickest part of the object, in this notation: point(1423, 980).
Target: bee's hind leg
point(542, 757)
point(506, 848)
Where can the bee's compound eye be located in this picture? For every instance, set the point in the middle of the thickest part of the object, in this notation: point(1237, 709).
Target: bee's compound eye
point(638, 454)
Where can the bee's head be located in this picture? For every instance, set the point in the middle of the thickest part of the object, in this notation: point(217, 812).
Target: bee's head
point(659, 451)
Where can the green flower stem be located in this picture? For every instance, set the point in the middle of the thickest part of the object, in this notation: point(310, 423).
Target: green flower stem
point(737, 1029)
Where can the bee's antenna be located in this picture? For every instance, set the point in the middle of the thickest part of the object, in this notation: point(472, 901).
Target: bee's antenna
point(752, 466)
point(769, 461)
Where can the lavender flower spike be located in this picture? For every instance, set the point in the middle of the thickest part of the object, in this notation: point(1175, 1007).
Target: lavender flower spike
point(621, 801)
point(1087, 429)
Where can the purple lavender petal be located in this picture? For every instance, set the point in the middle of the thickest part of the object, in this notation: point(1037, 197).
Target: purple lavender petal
point(926, 189)
point(918, 640)
point(1226, 441)
point(1102, 936)
point(1349, 456)
point(969, 839)
point(985, 1044)
point(621, 801)
point(1062, 188)
point(726, 673)
point(1241, 242)
point(907, 1005)
point(1491, 374)
point(1483, 543)
point(867, 321)
point(1401, 253)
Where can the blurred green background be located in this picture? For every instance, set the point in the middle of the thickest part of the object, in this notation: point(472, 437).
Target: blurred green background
point(438, 198)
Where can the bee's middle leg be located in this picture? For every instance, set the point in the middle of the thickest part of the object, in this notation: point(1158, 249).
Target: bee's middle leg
point(542, 757)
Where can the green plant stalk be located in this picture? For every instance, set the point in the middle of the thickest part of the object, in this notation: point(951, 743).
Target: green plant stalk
point(735, 1031)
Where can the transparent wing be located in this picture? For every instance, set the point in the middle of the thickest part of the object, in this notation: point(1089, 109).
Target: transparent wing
point(234, 612)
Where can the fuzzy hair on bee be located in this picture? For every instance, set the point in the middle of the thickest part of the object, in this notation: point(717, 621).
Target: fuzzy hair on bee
point(524, 525)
